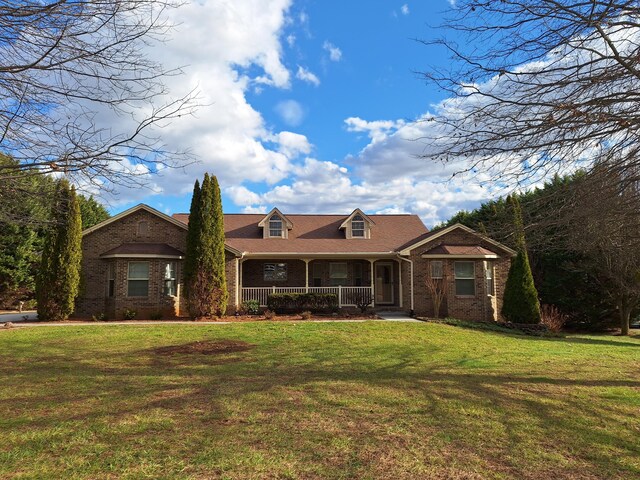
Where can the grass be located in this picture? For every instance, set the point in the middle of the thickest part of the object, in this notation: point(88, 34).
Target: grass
point(317, 400)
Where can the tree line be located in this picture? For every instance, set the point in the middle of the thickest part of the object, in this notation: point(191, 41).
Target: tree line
point(28, 211)
point(583, 245)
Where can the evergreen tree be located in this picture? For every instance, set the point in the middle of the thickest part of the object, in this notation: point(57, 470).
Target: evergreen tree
point(192, 253)
point(58, 280)
point(205, 278)
point(91, 211)
point(520, 303)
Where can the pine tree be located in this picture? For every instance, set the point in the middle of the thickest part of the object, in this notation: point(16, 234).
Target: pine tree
point(58, 281)
point(205, 273)
point(520, 303)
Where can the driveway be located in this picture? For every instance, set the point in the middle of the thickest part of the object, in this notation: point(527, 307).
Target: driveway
point(18, 317)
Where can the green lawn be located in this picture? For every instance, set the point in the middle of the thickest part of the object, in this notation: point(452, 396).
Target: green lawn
point(317, 400)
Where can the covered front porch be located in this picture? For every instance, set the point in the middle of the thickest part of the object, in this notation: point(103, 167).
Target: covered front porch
point(354, 281)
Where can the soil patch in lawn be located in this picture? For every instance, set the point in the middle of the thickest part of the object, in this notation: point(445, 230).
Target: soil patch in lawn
point(206, 347)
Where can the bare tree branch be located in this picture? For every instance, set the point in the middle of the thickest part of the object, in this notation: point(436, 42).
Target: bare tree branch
point(78, 94)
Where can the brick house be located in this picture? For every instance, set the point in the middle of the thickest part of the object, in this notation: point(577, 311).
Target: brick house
point(134, 261)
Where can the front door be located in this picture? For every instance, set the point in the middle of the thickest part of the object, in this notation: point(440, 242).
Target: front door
point(384, 283)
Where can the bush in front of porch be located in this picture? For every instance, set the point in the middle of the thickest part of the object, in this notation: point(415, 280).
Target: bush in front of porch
point(299, 302)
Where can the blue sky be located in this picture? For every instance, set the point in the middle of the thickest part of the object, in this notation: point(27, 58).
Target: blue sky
point(308, 106)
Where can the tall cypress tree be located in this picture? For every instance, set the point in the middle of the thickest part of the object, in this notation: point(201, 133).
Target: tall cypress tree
point(219, 274)
point(58, 281)
point(520, 303)
point(207, 291)
point(192, 253)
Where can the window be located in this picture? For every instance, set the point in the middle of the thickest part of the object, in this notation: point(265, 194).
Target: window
point(143, 228)
point(338, 273)
point(357, 274)
point(317, 274)
point(275, 226)
point(276, 272)
point(465, 278)
point(111, 280)
point(436, 269)
point(488, 276)
point(357, 226)
point(170, 279)
point(138, 279)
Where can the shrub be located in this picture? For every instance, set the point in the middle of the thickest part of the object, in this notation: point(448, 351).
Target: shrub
point(362, 300)
point(298, 302)
point(99, 317)
point(252, 307)
point(553, 318)
point(306, 315)
point(129, 314)
point(156, 316)
point(269, 314)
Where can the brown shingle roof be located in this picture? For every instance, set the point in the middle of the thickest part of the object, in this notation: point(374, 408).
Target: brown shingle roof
point(161, 249)
point(319, 234)
point(459, 250)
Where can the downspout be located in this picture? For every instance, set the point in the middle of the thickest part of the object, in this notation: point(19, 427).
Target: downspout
point(238, 283)
point(412, 313)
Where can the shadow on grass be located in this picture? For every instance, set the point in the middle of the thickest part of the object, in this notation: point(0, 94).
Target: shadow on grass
point(209, 395)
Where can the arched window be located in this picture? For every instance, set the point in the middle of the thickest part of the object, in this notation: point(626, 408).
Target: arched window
point(143, 228)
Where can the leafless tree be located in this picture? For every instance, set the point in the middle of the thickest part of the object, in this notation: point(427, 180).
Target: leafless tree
point(437, 288)
point(539, 87)
point(79, 95)
point(602, 225)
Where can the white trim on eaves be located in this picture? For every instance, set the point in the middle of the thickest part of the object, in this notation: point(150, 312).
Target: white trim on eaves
point(430, 238)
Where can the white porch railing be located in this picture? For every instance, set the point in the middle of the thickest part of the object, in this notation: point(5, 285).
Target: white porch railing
point(347, 296)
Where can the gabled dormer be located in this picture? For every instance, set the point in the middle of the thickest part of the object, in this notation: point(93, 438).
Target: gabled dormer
point(275, 225)
point(357, 225)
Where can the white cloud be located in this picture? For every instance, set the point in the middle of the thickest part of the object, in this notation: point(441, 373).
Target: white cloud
point(290, 111)
point(376, 130)
point(291, 40)
point(307, 76)
point(405, 9)
point(227, 136)
point(335, 54)
point(292, 144)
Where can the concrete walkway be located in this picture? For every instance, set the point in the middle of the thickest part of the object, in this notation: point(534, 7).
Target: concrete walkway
point(396, 317)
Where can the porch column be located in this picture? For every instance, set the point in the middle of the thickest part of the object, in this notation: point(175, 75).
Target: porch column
point(373, 293)
point(306, 274)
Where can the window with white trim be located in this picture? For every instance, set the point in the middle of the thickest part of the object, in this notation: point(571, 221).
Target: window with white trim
point(357, 226)
point(488, 276)
point(169, 286)
point(465, 273)
point(338, 273)
point(138, 279)
point(436, 269)
point(275, 272)
point(275, 226)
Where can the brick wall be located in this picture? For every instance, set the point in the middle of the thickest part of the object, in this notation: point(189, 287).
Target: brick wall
point(93, 297)
point(478, 307)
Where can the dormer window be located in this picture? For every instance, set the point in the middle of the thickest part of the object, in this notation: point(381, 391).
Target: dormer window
point(357, 226)
point(275, 226)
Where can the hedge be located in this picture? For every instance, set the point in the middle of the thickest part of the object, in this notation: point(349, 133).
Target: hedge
point(298, 302)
